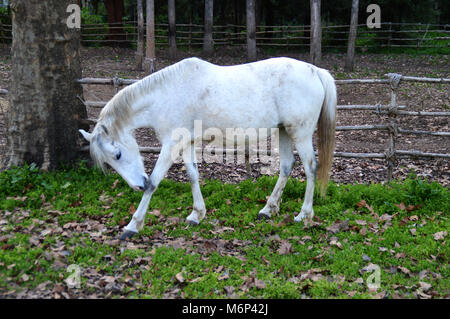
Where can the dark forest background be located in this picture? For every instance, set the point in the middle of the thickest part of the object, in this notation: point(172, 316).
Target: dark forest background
point(286, 12)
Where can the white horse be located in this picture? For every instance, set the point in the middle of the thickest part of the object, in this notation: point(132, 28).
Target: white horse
point(282, 93)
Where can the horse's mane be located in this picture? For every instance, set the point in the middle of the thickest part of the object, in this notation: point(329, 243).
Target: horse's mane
point(118, 112)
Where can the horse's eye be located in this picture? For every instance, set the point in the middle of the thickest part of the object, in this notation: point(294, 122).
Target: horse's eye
point(118, 155)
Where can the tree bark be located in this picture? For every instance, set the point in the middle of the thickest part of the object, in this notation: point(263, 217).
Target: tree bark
point(172, 30)
point(208, 45)
point(251, 31)
point(349, 61)
point(114, 9)
point(140, 41)
point(44, 112)
point(315, 52)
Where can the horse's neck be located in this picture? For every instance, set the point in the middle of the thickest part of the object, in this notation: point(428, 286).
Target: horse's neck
point(152, 97)
point(144, 108)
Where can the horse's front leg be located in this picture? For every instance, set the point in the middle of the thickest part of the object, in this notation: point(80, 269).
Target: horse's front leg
point(199, 210)
point(162, 165)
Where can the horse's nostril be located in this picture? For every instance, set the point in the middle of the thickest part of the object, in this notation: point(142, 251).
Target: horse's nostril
point(140, 188)
point(145, 182)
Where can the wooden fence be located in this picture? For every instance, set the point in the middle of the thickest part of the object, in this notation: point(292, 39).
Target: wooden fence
point(390, 35)
point(392, 110)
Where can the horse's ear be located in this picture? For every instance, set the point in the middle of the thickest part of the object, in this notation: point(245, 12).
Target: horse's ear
point(86, 135)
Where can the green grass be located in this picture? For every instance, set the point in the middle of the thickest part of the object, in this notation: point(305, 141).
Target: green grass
point(50, 220)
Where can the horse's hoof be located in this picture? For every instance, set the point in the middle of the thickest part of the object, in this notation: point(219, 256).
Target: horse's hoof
point(191, 222)
point(299, 219)
point(302, 217)
point(127, 234)
point(262, 216)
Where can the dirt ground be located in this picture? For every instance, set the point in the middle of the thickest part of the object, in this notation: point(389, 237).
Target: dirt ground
point(107, 62)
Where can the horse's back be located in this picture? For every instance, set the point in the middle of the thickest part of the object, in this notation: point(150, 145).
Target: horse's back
point(268, 92)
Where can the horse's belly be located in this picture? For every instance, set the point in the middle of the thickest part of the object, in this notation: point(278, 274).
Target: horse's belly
point(244, 120)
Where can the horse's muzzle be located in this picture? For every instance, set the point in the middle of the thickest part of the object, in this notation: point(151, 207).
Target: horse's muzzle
point(148, 186)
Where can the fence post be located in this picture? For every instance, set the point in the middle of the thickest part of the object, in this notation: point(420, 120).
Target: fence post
point(394, 80)
point(140, 41)
point(190, 36)
point(208, 43)
point(172, 30)
point(116, 83)
point(150, 40)
point(350, 59)
point(229, 35)
point(315, 50)
point(251, 31)
point(390, 36)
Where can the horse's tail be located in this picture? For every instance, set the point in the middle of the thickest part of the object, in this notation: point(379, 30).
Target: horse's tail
point(326, 128)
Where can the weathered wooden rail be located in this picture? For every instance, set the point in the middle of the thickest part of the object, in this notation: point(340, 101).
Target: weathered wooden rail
point(390, 35)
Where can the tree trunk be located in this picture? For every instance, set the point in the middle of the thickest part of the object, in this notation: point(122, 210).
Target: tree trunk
point(172, 31)
point(208, 45)
point(114, 9)
point(251, 31)
point(140, 40)
point(95, 6)
point(349, 61)
point(315, 52)
point(150, 53)
point(44, 115)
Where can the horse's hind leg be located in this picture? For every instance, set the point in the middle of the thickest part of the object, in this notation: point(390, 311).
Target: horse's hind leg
point(306, 152)
point(286, 164)
point(199, 210)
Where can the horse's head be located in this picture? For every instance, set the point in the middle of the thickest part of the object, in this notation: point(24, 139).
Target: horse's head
point(122, 154)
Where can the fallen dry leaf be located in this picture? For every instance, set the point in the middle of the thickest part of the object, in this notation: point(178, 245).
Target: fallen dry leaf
point(114, 184)
point(386, 217)
point(285, 248)
point(423, 295)
point(361, 222)
point(180, 277)
point(229, 290)
point(362, 203)
point(260, 284)
point(405, 270)
point(334, 242)
point(400, 255)
point(424, 286)
point(108, 279)
point(338, 227)
point(440, 235)
point(363, 231)
point(411, 208)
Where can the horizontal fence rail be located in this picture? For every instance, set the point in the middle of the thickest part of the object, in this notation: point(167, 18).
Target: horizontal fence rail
point(390, 35)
